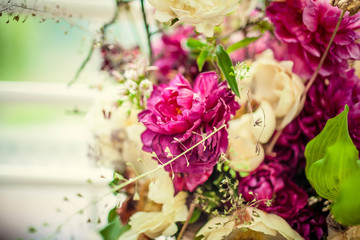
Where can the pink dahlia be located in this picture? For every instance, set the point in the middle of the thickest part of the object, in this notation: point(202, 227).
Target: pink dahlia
point(178, 116)
point(270, 182)
point(306, 26)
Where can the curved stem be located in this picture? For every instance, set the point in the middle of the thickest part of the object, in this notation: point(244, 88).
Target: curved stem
point(312, 80)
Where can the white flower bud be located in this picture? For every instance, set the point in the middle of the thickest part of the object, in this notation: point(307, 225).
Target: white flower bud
point(146, 87)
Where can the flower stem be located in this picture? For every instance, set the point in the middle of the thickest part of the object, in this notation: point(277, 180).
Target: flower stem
point(148, 34)
point(191, 211)
point(312, 80)
point(269, 150)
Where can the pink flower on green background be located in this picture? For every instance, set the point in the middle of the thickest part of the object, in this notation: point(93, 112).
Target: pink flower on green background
point(178, 116)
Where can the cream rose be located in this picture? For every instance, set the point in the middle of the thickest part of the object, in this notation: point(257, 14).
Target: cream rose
point(155, 224)
point(204, 14)
point(116, 130)
point(263, 226)
point(274, 82)
point(244, 136)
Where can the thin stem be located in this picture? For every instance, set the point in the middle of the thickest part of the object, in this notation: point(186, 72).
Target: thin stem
point(270, 147)
point(131, 180)
point(103, 39)
point(269, 150)
point(148, 34)
point(191, 211)
point(312, 80)
point(84, 63)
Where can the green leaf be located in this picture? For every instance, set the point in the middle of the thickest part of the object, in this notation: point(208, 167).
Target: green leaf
point(114, 229)
point(227, 68)
point(328, 174)
point(346, 209)
point(195, 216)
point(195, 44)
point(112, 215)
point(241, 44)
point(336, 129)
point(202, 58)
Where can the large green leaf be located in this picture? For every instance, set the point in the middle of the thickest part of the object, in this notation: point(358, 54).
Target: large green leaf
point(227, 68)
point(114, 229)
point(241, 44)
point(346, 209)
point(328, 174)
point(336, 129)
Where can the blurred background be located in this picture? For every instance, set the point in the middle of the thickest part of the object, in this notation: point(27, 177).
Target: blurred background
point(45, 173)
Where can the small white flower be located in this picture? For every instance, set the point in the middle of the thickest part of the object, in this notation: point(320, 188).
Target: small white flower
point(146, 87)
point(131, 74)
point(123, 92)
point(131, 86)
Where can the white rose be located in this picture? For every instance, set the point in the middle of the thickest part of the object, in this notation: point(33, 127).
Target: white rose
point(155, 224)
point(116, 130)
point(263, 226)
point(204, 14)
point(245, 137)
point(274, 82)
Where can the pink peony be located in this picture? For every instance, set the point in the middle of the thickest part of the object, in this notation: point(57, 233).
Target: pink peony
point(270, 182)
point(178, 116)
point(306, 26)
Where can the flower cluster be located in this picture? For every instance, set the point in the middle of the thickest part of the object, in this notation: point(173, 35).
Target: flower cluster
point(229, 137)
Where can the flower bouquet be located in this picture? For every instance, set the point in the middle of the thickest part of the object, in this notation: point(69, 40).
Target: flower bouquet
point(243, 122)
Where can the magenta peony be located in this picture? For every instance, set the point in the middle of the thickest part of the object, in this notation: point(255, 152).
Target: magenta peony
point(270, 182)
point(178, 116)
point(306, 26)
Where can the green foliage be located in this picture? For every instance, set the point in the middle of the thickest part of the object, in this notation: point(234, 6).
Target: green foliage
point(114, 229)
point(241, 44)
point(333, 169)
point(227, 68)
point(346, 209)
point(326, 175)
point(336, 129)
